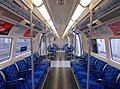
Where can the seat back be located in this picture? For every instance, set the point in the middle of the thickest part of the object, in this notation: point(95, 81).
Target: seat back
point(28, 61)
point(52, 48)
point(2, 82)
point(99, 66)
point(92, 60)
point(22, 65)
point(10, 72)
point(118, 83)
point(110, 73)
point(65, 45)
point(36, 54)
point(86, 58)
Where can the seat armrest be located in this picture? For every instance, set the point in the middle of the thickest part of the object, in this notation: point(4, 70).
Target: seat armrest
point(25, 71)
point(40, 60)
point(107, 82)
point(15, 81)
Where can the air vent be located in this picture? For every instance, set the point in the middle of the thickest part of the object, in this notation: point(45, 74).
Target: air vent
point(86, 27)
point(10, 15)
point(16, 4)
point(111, 15)
point(61, 2)
point(35, 27)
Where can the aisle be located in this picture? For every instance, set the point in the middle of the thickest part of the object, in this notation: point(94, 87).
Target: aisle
point(60, 78)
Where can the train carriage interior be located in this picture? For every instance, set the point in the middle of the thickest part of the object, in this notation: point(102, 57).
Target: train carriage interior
point(59, 44)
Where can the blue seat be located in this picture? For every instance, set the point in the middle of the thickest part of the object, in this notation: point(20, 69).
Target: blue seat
point(82, 59)
point(11, 76)
point(95, 72)
point(2, 82)
point(27, 84)
point(26, 73)
point(83, 67)
point(36, 54)
point(81, 62)
point(69, 49)
point(65, 45)
point(52, 48)
point(118, 83)
point(107, 81)
point(18, 75)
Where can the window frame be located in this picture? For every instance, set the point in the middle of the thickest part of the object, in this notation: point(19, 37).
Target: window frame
point(97, 47)
point(22, 53)
point(11, 43)
point(111, 53)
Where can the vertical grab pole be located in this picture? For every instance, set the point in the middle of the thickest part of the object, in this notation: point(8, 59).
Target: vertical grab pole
point(46, 41)
point(31, 42)
point(89, 51)
point(75, 46)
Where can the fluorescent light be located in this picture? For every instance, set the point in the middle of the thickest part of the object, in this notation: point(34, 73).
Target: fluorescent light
point(44, 12)
point(66, 30)
point(77, 12)
point(70, 23)
point(50, 23)
point(85, 2)
point(55, 31)
point(53, 27)
point(37, 2)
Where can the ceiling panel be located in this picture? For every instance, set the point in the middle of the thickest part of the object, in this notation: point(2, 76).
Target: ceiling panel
point(61, 13)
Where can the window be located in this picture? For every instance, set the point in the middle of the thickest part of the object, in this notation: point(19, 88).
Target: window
point(115, 49)
point(78, 50)
point(99, 47)
point(23, 45)
point(5, 48)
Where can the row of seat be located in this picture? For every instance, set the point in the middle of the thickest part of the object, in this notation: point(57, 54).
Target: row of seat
point(52, 48)
point(102, 75)
point(68, 48)
point(19, 76)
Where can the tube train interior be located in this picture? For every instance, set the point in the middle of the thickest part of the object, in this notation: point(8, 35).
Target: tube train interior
point(59, 44)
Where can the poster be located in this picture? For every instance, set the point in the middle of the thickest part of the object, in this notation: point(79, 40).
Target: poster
point(27, 33)
point(115, 27)
point(102, 31)
point(5, 27)
point(17, 30)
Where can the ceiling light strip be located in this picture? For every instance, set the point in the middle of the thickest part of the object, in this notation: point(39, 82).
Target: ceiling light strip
point(42, 9)
point(37, 3)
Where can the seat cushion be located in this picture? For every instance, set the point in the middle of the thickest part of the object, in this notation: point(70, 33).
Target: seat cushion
point(92, 84)
point(10, 72)
point(21, 65)
point(110, 74)
point(2, 82)
point(27, 84)
point(83, 75)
